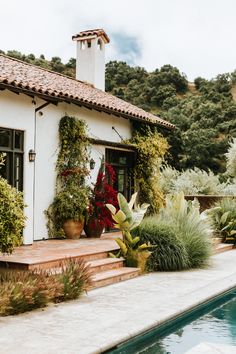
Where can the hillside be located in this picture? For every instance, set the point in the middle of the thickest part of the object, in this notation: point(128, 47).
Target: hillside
point(204, 112)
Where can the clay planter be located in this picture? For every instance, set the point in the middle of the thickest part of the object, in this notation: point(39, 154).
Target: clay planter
point(93, 228)
point(73, 228)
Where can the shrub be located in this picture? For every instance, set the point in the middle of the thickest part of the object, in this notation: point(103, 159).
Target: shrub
point(182, 235)
point(169, 253)
point(192, 227)
point(75, 277)
point(12, 218)
point(22, 291)
point(223, 215)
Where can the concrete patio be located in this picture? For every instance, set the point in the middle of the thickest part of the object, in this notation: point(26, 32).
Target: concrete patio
point(110, 315)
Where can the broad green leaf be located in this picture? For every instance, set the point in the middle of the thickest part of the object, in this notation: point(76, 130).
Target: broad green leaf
point(124, 206)
point(119, 217)
point(122, 246)
point(111, 208)
point(132, 200)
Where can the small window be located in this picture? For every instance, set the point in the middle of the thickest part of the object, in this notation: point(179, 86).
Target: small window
point(99, 44)
point(89, 43)
point(5, 138)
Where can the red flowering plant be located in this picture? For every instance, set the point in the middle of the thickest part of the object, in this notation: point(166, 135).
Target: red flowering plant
point(103, 192)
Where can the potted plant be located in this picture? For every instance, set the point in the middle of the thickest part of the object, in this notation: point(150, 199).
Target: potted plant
point(98, 216)
point(69, 210)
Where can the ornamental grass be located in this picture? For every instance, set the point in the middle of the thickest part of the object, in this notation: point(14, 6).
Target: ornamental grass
point(22, 291)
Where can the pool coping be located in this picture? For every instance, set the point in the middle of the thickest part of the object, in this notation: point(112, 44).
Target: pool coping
point(182, 316)
point(229, 285)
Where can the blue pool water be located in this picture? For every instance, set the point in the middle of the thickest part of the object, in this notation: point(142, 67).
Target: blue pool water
point(214, 322)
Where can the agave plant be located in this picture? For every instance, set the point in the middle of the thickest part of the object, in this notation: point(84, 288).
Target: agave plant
point(126, 219)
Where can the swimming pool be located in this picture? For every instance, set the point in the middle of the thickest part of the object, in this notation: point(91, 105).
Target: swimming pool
point(213, 321)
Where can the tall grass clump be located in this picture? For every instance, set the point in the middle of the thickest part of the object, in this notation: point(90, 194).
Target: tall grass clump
point(192, 235)
point(169, 252)
point(75, 279)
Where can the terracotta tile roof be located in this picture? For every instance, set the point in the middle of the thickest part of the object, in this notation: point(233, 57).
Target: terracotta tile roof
point(34, 80)
point(99, 32)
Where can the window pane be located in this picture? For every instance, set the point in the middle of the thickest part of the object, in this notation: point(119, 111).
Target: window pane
point(18, 183)
point(123, 160)
point(5, 138)
point(121, 181)
point(18, 140)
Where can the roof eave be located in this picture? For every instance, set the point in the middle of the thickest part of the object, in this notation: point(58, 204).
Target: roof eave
point(79, 102)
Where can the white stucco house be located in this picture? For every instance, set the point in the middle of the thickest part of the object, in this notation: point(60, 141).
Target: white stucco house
point(32, 102)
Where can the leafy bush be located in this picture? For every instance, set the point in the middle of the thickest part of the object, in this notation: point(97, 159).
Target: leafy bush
point(22, 291)
point(12, 217)
point(182, 235)
point(224, 219)
point(170, 253)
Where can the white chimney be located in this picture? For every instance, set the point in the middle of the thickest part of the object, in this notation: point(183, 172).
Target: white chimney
point(90, 59)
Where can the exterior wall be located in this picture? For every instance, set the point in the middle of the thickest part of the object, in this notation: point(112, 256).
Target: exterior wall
point(41, 134)
point(17, 112)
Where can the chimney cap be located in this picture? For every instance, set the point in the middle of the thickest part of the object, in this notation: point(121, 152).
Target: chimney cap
point(91, 33)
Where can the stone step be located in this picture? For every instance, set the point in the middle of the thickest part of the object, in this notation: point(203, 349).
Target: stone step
point(114, 276)
point(53, 262)
point(223, 247)
point(104, 264)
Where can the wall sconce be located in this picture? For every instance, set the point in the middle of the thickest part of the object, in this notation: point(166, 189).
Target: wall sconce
point(32, 155)
point(92, 164)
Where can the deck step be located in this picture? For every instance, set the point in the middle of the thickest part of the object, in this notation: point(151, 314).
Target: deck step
point(104, 264)
point(223, 247)
point(114, 276)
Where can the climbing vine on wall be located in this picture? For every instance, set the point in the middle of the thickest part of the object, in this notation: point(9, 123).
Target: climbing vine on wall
point(151, 148)
point(71, 198)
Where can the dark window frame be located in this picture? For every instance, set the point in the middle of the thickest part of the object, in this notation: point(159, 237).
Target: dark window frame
point(112, 156)
point(14, 157)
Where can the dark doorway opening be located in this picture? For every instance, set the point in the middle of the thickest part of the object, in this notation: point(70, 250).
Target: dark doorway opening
point(123, 163)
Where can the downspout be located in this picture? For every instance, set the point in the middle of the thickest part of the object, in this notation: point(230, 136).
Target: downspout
point(34, 174)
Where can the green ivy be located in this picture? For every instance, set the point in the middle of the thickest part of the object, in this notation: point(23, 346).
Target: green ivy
point(151, 148)
point(71, 198)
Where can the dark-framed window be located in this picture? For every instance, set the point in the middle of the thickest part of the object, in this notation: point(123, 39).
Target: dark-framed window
point(123, 164)
point(12, 145)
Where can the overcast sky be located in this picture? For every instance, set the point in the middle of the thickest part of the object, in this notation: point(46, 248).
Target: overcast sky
point(197, 36)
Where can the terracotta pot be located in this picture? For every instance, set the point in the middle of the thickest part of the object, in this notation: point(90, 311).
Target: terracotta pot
point(73, 228)
point(93, 228)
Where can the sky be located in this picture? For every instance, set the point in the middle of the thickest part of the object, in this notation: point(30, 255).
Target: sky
point(196, 36)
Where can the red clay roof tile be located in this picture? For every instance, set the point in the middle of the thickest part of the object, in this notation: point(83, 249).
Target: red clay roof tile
point(24, 76)
point(99, 32)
